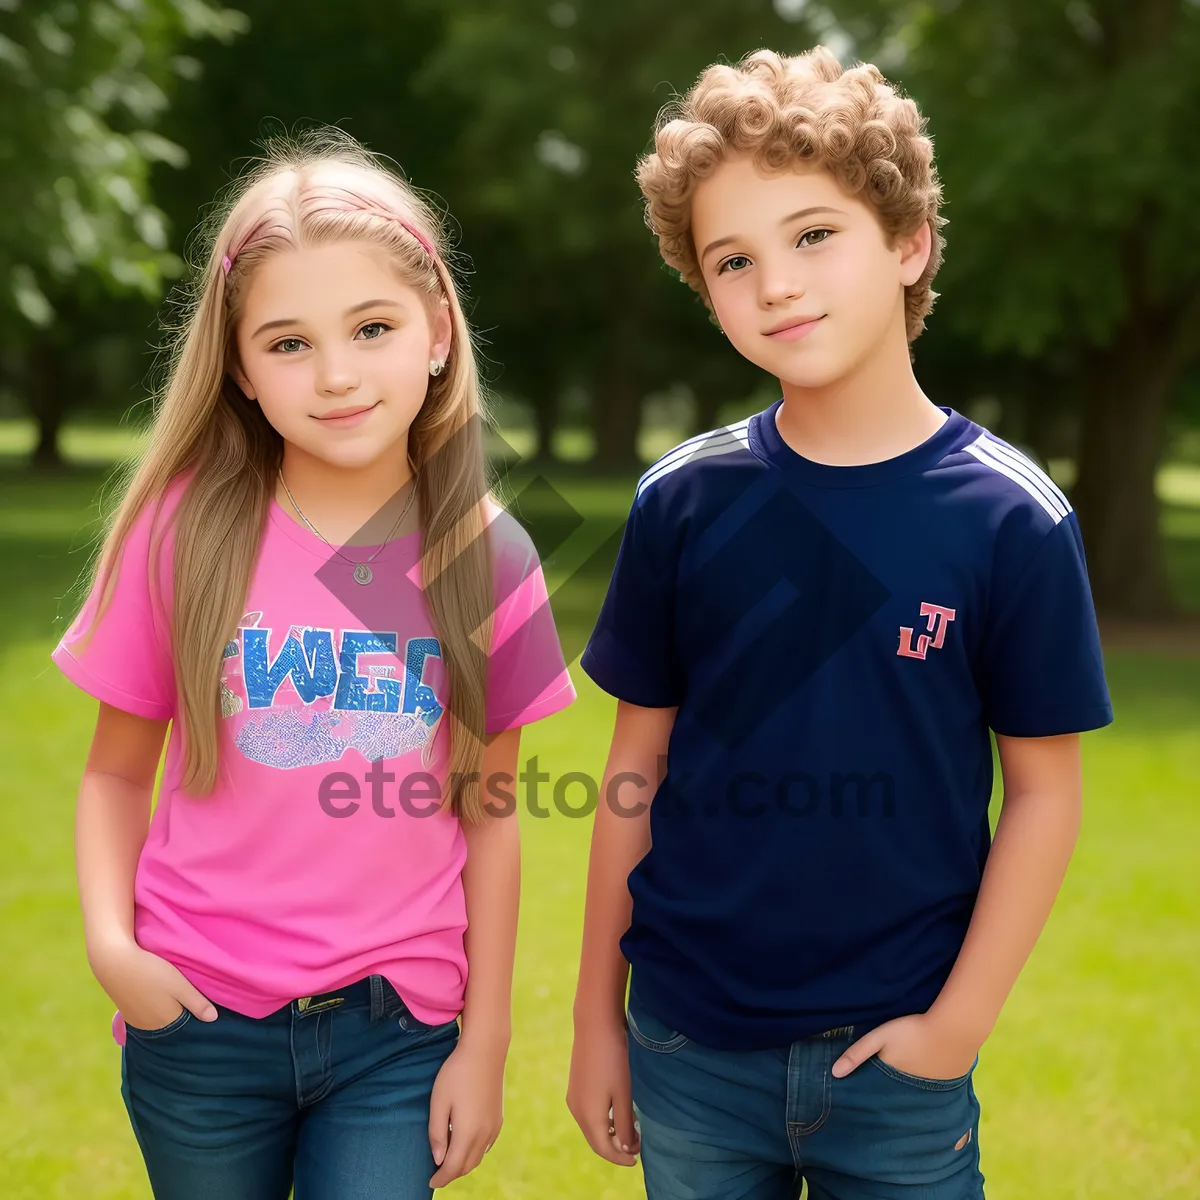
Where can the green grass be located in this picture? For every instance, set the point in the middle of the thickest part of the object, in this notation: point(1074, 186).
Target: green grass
point(1088, 1084)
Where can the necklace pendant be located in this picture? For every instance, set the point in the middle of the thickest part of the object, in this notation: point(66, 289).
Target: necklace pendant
point(362, 574)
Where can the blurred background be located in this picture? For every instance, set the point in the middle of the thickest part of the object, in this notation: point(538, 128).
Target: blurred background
point(1069, 322)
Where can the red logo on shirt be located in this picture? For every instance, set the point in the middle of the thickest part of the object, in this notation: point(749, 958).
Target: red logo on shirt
point(938, 620)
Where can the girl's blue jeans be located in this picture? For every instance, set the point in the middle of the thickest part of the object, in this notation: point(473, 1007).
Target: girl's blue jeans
point(329, 1095)
point(717, 1125)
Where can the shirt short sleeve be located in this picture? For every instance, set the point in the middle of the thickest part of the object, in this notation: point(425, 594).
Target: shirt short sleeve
point(527, 678)
point(121, 655)
point(1042, 669)
point(631, 651)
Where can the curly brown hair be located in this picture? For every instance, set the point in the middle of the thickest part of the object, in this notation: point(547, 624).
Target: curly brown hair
point(805, 109)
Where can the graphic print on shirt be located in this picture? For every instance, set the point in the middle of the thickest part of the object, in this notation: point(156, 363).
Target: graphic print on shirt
point(938, 620)
point(310, 700)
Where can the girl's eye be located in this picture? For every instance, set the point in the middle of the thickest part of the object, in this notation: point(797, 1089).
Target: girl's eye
point(814, 237)
point(738, 262)
point(380, 327)
point(290, 345)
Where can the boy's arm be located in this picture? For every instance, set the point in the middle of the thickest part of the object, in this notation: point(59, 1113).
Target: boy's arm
point(620, 838)
point(1035, 836)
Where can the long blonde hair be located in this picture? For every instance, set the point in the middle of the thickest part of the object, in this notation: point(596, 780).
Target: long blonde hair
point(316, 190)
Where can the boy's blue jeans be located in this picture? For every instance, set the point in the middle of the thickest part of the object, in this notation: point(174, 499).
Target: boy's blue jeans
point(331, 1097)
point(717, 1125)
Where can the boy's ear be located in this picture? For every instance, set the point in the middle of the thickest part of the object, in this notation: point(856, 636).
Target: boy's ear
point(915, 249)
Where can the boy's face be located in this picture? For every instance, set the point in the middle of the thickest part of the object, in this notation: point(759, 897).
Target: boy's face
point(799, 272)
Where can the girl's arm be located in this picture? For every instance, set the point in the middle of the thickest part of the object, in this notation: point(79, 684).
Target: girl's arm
point(468, 1094)
point(492, 884)
point(620, 838)
point(1035, 837)
point(112, 817)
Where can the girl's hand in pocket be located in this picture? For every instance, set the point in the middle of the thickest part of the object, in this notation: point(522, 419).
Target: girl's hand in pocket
point(149, 991)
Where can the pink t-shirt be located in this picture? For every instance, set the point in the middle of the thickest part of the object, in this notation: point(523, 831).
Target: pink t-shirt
point(313, 863)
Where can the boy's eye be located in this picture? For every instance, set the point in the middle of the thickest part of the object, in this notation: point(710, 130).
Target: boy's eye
point(737, 262)
point(814, 237)
point(380, 328)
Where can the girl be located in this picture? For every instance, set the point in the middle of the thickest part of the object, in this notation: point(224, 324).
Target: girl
point(296, 593)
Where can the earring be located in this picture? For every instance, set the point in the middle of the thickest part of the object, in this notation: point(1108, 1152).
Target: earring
point(435, 368)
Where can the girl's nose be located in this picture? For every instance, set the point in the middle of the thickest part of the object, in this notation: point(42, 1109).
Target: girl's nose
point(336, 376)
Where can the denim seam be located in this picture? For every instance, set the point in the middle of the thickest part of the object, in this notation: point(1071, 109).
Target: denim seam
point(919, 1081)
point(137, 1133)
point(426, 1033)
point(326, 1048)
point(163, 1031)
point(798, 1129)
point(295, 1061)
point(670, 1046)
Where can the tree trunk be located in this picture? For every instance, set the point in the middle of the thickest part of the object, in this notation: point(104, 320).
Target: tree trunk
point(1121, 442)
point(708, 404)
point(48, 399)
point(545, 415)
point(617, 403)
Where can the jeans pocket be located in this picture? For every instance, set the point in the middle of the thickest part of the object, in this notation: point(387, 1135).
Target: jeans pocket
point(417, 1029)
point(163, 1031)
point(921, 1081)
point(648, 1031)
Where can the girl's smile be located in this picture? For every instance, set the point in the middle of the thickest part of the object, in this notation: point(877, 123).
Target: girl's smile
point(348, 418)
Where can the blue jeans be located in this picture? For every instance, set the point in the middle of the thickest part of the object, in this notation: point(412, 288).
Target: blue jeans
point(329, 1094)
point(717, 1125)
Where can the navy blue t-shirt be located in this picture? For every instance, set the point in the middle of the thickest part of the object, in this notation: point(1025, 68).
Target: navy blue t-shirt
point(839, 642)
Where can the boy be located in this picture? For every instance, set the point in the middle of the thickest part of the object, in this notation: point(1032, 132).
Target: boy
point(818, 616)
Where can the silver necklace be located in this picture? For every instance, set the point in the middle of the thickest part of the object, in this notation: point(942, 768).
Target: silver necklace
point(362, 572)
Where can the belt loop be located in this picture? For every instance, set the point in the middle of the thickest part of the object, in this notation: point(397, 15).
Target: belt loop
point(377, 1004)
point(393, 1000)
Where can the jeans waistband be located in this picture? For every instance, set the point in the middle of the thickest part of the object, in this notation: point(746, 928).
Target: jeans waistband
point(374, 992)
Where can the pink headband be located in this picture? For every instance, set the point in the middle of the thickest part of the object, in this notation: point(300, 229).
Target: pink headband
point(418, 236)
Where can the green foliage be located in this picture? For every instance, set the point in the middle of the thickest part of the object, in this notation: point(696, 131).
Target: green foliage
point(347, 64)
point(1070, 154)
point(560, 99)
point(82, 85)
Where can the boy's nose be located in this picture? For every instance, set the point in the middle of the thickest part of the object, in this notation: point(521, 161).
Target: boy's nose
point(779, 289)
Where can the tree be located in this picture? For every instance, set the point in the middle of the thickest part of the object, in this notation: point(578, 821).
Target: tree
point(82, 85)
point(349, 64)
point(1068, 147)
point(561, 99)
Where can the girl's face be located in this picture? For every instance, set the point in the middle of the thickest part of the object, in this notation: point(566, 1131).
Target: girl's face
point(800, 273)
point(336, 350)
